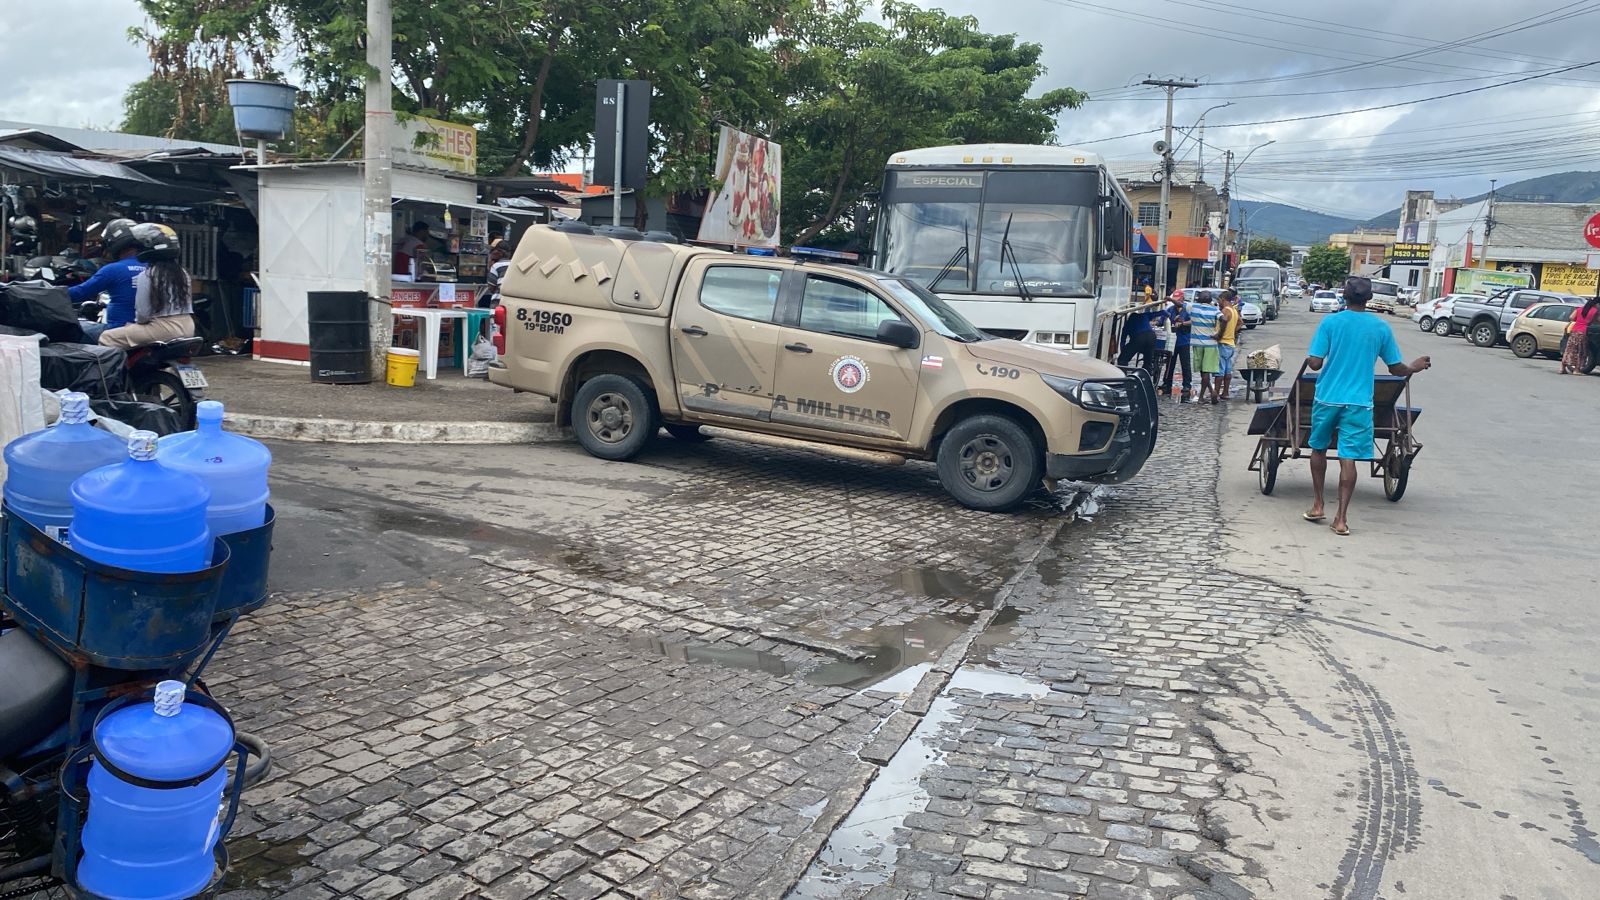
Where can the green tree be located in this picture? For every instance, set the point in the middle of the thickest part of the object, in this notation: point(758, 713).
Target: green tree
point(1269, 248)
point(1325, 265)
point(153, 107)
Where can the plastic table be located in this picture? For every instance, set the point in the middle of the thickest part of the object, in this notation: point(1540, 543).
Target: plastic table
point(461, 341)
point(431, 319)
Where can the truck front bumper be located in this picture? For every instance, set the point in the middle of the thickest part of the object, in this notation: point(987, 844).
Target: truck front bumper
point(1129, 448)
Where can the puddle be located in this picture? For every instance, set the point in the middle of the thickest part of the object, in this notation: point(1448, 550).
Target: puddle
point(861, 852)
point(732, 657)
point(1001, 631)
point(942, 584)
point(892, 649)
point(255, 864)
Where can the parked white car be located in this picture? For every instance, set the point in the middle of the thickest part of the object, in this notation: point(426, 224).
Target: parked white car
point(1326, 302)
point(1250, 313)
point(1434, 315)
point(1294, 291)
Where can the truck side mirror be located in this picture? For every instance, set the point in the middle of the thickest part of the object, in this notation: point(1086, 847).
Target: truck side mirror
point(898, 333)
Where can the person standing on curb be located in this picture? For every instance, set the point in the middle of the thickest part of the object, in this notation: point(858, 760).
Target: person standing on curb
point(1203, 353)
point(1227, 341)
point(1343, 350)
point(1573, 356)
point(1178, 316)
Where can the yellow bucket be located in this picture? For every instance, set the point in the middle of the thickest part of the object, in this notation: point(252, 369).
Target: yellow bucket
point(403, 366)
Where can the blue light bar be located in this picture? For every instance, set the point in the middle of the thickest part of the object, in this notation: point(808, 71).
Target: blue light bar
point(823, 253)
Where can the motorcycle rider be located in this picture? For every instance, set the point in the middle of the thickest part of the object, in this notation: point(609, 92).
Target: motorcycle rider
point(163, 306)
point(114, 278)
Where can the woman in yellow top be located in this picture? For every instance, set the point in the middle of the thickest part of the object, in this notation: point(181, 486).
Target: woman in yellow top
point(1227, 340)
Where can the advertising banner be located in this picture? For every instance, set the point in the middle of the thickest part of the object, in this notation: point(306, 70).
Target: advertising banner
point(1409, 254)
point(745, 210)
point(435, 144)
point(1567, 278)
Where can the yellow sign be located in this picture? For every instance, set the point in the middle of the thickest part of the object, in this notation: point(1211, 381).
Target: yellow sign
point(1568, 278)
point(436, 144)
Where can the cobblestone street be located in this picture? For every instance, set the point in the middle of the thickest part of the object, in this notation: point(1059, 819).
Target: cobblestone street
point(774, 655)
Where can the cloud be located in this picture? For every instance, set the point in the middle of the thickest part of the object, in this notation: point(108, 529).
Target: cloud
point(1254, 52)
point(67, 62)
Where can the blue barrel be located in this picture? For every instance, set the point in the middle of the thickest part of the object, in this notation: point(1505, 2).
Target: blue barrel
point(261, 109)
point(141, 515)
point(155, 788)
point(41, 465)
point(234, 468)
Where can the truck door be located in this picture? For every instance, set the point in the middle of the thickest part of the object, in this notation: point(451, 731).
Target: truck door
point(834, 376)
point(725, 340)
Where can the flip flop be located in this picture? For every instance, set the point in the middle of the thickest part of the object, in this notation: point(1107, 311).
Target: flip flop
point(1341, 533)
point(1310, 518)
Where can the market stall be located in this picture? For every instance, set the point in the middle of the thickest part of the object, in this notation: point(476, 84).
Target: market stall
point(312, 240)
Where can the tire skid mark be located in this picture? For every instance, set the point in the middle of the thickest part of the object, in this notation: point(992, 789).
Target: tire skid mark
point(1390, 799)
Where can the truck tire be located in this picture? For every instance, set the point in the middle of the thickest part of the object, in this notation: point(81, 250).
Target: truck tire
point(689, 434)
point(614, 416)
point(1525, 346)
point(989, 463)
point(1484, 333)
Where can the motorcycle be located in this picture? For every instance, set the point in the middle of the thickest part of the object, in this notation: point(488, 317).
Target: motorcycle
point(57, 686)
point(162, 372)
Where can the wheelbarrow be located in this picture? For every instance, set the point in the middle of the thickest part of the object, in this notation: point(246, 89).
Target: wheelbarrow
point(1258, 382)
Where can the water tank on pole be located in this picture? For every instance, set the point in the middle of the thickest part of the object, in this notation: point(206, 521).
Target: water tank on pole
point(262, 109)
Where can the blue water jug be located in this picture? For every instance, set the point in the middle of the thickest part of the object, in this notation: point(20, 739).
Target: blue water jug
point(141, 515)
point(233, 467)
point(41, 465)
point(155, 787)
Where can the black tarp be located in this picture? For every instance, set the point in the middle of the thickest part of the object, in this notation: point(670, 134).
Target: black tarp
point(40, 307)
point(138, 414)
point(100, 372)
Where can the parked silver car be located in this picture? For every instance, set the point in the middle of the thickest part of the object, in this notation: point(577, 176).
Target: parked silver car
point(1434, 315)
point(1326, 302)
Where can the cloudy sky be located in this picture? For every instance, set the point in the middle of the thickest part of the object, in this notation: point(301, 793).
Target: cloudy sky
point(1271, 59)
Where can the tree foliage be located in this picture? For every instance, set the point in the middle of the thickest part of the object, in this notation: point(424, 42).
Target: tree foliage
point(1269, 248)
point(1325, 264)
point(840, 83)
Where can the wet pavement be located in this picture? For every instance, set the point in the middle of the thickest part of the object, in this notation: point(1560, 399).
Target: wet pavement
point(730, 671)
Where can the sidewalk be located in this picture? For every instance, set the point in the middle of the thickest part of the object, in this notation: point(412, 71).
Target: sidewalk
point(274, 400)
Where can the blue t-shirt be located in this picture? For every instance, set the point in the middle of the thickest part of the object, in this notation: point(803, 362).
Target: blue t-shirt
point(116, 279)
point(1137, 323)
point(1349, 342)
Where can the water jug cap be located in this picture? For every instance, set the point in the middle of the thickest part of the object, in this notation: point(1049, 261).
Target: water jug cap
point(208, 411)
point(142, 445)
point(169, 698)
point(74, 407)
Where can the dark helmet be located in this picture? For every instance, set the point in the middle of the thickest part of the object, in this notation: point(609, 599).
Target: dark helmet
point(117, 236)
point(160, 242)
point(24, 225)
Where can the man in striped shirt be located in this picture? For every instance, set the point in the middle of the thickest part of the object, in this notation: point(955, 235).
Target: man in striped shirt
point(1203, 352)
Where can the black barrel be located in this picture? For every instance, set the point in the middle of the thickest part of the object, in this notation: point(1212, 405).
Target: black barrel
point(341, 343)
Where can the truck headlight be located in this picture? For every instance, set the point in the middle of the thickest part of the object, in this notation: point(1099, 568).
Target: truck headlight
point(1100, 396)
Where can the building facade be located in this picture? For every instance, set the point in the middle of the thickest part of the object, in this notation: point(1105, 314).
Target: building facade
point(1193, 223)
point(1544, 240)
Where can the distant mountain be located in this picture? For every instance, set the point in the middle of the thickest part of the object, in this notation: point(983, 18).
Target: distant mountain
point(1289, 223)
point(1561, 187)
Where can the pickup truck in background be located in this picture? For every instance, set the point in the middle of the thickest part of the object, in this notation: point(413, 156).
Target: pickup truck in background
point(1486, 321)
point(630, 337)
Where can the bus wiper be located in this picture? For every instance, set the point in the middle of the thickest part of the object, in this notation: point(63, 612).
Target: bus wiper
point(956, 259)
point(1016, 269)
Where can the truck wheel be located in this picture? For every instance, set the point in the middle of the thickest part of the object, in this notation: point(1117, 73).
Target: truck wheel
point(989, 463)
point(614, 416)
point(1441, 327)
point(689, 434)
point(1484, 334)
point(1524, 346)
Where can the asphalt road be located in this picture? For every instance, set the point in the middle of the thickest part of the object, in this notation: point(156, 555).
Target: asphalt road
point(1431, 725)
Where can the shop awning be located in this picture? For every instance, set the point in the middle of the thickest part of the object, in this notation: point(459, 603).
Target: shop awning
point(504, 213)
point(60, 165)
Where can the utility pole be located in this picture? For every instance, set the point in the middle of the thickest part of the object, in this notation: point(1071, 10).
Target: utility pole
point(376, 190)
point(1488, 223)
point(1227, 217)
point(1165, 149)
point(616, 166)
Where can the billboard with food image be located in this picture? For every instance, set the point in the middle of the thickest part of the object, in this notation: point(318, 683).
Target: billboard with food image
point(744, 210)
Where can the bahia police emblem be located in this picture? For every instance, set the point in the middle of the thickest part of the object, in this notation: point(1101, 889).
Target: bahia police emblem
point(850, 374)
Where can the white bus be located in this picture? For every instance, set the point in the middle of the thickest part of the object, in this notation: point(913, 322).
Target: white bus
point(1028, 242)
point(1260, 268)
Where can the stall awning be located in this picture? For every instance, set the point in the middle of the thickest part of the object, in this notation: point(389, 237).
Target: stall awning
point(500, 212)
point(59, 165)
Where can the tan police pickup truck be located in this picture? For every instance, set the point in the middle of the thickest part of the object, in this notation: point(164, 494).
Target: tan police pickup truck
point(632, 336)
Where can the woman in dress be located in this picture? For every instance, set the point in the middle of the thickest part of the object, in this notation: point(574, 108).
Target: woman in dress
point(1572, 358)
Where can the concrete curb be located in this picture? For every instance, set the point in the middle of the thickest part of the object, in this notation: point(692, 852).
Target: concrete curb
point(345, 431)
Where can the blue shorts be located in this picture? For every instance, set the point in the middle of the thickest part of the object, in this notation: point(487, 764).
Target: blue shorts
point(1226, 351)
point(1353, 425)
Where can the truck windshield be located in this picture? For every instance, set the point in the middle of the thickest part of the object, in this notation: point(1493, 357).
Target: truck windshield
point(990, 228)
point(932, 310)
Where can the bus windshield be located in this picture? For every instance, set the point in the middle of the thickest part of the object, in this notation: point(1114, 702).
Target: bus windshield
point(932, 310)
point(983, 232)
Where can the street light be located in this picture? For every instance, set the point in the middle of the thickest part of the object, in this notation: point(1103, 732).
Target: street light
point(1200, 124)
point(1227, 196)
